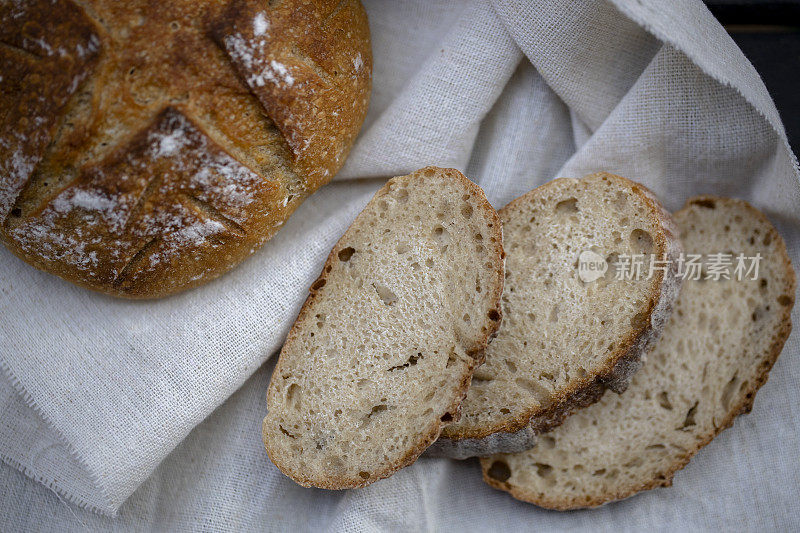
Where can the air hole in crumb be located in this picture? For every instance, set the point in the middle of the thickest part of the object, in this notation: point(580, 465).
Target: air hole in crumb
point(728, 391)
point(663, 400)
point(570, 205)
point(412, 361)
point(318, 284)
point(293, 395)
point(547, 442)
point(429, 262)
point(708, 204)
point(543, 470)
point(363, 475)
point(451, 358)
point(377, 410)
point(441, 235)
point(466, 211)
point(785, 299)
point(283, 430)
point(386, 294)
point(447, 417)
point(346, 253)
point(499, 471)
point(16, 212)
point(493, 315)
point(641, 241)
point(689, 420)
point(402, 195)
point(402, 248)
point(466, 318)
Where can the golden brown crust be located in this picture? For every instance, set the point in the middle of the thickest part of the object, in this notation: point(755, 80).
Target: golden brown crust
point(36, 81)
point(439, 420)
point(624, 360)
point(316, 85)
point(247, 108)
point(742, 406)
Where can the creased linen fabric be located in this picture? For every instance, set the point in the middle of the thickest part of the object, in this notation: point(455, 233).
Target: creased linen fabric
point(106, 403)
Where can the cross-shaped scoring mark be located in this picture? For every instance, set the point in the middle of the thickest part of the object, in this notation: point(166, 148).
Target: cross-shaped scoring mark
point(163, 142)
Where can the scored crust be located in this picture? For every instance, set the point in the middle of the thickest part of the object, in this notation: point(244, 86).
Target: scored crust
point(496, 470)
point(520, 433)
point(473, 344)
point(145, 150)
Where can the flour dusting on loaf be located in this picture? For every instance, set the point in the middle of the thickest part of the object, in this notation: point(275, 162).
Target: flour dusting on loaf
point(149, 149)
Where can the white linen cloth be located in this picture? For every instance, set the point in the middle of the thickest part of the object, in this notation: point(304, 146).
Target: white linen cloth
point(103, 401)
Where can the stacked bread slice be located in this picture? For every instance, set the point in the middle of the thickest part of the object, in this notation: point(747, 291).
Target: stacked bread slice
point(385, 345)
point(716, 351)
point(565, 337)
point(380, 360)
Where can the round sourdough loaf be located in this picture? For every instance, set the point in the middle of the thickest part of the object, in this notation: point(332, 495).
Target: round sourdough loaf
point(146, 148)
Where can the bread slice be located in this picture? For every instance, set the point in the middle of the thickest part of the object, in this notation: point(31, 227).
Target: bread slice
point(565, 338)
point(716, 351)
point(382, 353)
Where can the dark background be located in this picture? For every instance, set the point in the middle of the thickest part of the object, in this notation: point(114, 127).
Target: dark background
point(768, 32)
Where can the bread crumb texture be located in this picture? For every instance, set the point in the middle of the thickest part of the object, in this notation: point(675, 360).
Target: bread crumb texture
point(715, 353)
point(564, 340)
point(382, 352)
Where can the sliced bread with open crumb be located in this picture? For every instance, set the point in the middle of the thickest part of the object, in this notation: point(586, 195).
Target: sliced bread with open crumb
point(715, 353)
point(383, 350)
point(564, 339)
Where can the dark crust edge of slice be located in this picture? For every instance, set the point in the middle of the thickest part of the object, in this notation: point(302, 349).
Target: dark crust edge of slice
point(521, 433)
point(743, 406)
point(453, 409)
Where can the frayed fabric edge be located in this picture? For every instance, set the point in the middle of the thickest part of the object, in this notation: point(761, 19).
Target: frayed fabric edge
point(61, 492)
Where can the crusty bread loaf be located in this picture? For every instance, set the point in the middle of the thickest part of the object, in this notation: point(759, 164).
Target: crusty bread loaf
point(715, 353)
point(565, 339)
point(146, 148)
point(382, 352)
